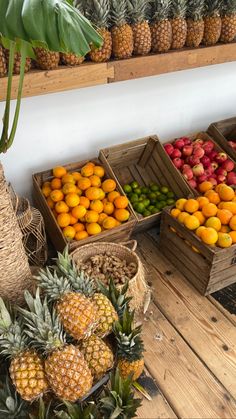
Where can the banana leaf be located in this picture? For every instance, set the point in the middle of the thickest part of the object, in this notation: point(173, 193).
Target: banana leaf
point(53, 24)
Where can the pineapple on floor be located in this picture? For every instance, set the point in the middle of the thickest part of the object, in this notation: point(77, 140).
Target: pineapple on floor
point(121, 31)
point(130, 347)
point(137, 10)
point(98, 355)
point(47, 60)
point(212, 22)
point(98, 12)
point(67, 371)
point(228, 17)
point(195, 23)
point(3, 63)
point(161, 29)
point(17, 62)
point(178, 23)
point(26, 367)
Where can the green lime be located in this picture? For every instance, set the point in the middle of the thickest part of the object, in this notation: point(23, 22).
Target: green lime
point(142, 196)
point(150, 208)
point(164, 190)
point(146, 213)
point(163, 204)
point(155, 210)
point(133, 198)
point(138, 191)
point(153, 201)
point(145, 190)
point(170, 201)
point(151, 184)
point(154, 188)
point(152, 195)
point(127, 189)
point(134, 185)
point(162, 197)
point(159, 206)
point(146, 203)
point(170, 195)
point(140, 208)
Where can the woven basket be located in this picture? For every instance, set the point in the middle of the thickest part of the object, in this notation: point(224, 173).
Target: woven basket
point(138, 289)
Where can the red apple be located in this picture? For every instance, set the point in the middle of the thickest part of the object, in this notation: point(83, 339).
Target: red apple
point(187, 150)
point(176, 153)
point(208, 172)
point(192, 183)
point(214, 165)
point(214, 176)
point(205, 161)
point(198, 141)
point(221, 157)
point(178, 162)
point(208, 146)
point(198, 170)
point(221, 172)
point(169, 148)
point(202, 178)
point(193, 160)
point(228, 165)
point(186, 166)
point(221, 179)
point(198, 152)
point(188, 174)
point(232, 144)
point(187, 140)
point(179, 143)
point(212, 180)
point(212, 155)
point(231, 178)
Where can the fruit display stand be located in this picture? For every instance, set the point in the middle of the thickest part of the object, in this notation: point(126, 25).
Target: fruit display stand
point(143, 161)
point(223, 133)
point(209, 269)
point(119, 234)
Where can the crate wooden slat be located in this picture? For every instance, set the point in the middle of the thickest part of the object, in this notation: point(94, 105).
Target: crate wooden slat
point(118, 234)
point(144, 161)
point(224, 131)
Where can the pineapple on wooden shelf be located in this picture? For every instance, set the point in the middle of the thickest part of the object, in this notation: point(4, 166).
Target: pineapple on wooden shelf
point(71, 59)
point(17, 62)
point(47, 60)
point(228, 17)
point(161, 29)
point(67, 371)
point(212, 21)
point(98, 12)
point(130, 346)
point(195, 22)
point(3, 63)
point(121, 31)
point(11, 405)
point(26, 367)
point(137, 10)
point(178, 23)
point(98, 355)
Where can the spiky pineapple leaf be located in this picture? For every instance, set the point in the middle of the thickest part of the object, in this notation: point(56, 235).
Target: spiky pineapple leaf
point(228, 7)
point(44, 411)
point(119, 12)
point(178, 9)
point(138, 10)
point(213, 7)
point(195, 9)
point(75, 411)
point(117, 296)
point(11, 405)
point(98, 12)
point(160, 10)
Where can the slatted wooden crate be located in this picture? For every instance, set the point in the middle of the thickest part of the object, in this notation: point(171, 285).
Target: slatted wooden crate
point(118, 234)
point(210, 270)
point(144, 161)
point(224, 131)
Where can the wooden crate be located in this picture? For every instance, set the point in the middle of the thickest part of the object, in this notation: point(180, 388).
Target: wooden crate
point(144, 161)
point(210, 270)
point(118, 234)
point(224, 131)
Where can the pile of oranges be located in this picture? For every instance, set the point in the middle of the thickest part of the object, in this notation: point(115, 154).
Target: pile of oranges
point(83, 202)
point(212, 217)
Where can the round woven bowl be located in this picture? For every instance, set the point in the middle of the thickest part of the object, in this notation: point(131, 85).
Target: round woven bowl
point(138, 288)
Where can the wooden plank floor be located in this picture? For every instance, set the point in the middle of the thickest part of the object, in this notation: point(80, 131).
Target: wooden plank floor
point(190, 344)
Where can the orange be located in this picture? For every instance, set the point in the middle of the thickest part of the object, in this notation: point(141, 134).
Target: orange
point(109, 223)
point(69, 188)
point(93, 193)
point(76, 176)
point(121, 215)
point(180, 203)
point(202, 200)
point(230, 206)
point(59, 171)
point(97, 206)
point(218, 187)
point(224, 215)
point(112, 196)
point(175, 212)
point(233, 236)
point(121, 202)
point(191, 206)
point(61, 207)
point(226, 193)
point(182, 217)
point(84, 201)
point(209, 210)
point(199, 231)
point(90, 163)
point(79, 227)
point(81, 235)
point(63, 219)
point(78, 191)
point(214, 222)
point(46, 190)
point(118, 223)
point(50, 202)
point(87, 170)
point(209, 235)
point(95, 181)
point(72, 200)
point(91, 217)
point(99, 171)
point(200, 217)
point(67, 179)
point(102, 217)
point(205, 186)
point(232, 223)
point(225, 229)
point(93, 229)
point(56, 183)
point(224, 240)
point(69, 232)
point(109, 185)
point(102, 194)
point(84, 183)
point(56, 195)
point(47, 183)
point(79, 211)
point(213, 197)
point(73, 220)
point(191, 222)
point(108, 208)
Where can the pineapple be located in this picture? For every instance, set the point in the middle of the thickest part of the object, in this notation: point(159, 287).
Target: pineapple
point(119, 401)
point(121, 31)
point(98, 356)
point(195, 23)
point(141, 30)
point(47, 60)
point(117, 296)
point(11, 405)
point(98, 12)
point(161, 29)
point(106, 315)
point(212, 22)
point(71, 59)
point(65, 367)
point(228, 31)
point(178, 23)
point(17, 62)
point(129, 347)
point(3, 63)
point(26, 367)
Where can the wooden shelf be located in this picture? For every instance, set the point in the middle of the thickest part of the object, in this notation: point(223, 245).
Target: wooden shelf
point(90, 74)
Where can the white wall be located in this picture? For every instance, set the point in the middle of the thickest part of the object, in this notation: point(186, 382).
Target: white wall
point(70, 126)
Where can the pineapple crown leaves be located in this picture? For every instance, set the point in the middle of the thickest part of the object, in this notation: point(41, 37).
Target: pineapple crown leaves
point(43, 411)
point(98, 12)
point(178, 9)
point(42, 325)
point(129, 342)
point(75, 411)
point(195, 10)
point(119, 12)
point(138, 10)
point(160, 10)
point(54, 285)
point(11, 405)
point(213, 7)
point(228, 7)
point(117, 296)
point(5, 317)
point(119, 401)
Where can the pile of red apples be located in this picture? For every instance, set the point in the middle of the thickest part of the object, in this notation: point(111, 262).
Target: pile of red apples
point(232, 144)
point(199, 161)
